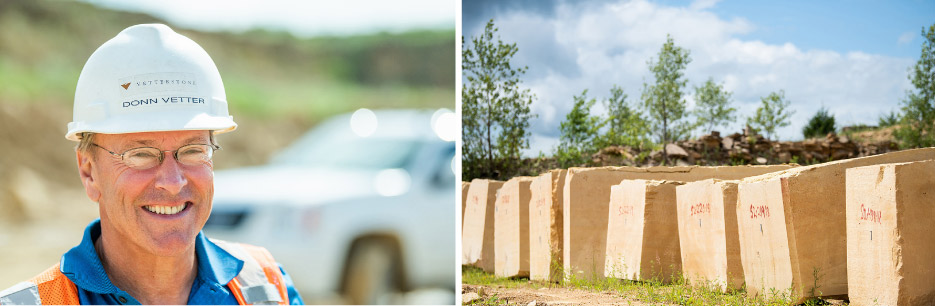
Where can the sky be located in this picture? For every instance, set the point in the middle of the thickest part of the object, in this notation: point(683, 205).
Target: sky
point(301, 18)
point(851, 57)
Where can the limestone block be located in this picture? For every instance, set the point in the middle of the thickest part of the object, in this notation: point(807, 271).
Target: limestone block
point(889, 234)
point(791, 226)
point(511, 228)
point(545, 226)
point(707, 220)
point(642, 231)
point(464, 196)
point(477, 235)
point(586, 199)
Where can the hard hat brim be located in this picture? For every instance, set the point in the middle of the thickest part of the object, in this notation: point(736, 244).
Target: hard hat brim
point(150, 122)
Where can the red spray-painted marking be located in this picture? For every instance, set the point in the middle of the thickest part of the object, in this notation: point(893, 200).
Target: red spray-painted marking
point(625, 210)
point(700, 208)
point(540, 202)
point(867, 214)
point(759, 211)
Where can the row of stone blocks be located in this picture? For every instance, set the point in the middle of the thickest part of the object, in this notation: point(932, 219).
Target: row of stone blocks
point(771, 228)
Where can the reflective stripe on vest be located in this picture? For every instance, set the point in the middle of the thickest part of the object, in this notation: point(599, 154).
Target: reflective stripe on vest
point(259, 283)
point(51, 287)
point(24, 293)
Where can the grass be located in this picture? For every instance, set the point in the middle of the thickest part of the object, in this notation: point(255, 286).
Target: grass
point(491, 300)
point(653, 291)
point(476, 276)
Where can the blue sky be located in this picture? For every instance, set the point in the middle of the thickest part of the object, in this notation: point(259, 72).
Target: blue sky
point(877, 27)
point(849, 56)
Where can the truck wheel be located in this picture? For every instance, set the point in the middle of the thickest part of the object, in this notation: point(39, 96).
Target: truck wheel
point(372, 273)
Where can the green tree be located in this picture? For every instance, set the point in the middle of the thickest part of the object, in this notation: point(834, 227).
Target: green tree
point(625, 125)
point(888, 119)
point(712, 106)
point(495, 111)
point(579, 132)
point(663, 101)
point(820, 125)
point(917, 126)
point(773, 113)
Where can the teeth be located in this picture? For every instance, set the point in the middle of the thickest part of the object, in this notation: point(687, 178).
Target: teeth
point(166, 210)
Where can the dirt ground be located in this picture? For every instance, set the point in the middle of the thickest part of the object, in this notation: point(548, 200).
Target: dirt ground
point(545, 296)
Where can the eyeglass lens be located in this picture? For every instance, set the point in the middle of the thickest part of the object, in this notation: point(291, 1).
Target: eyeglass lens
point(145, 158)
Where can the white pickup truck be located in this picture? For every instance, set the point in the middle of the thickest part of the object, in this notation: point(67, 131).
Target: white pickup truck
point(361, 209)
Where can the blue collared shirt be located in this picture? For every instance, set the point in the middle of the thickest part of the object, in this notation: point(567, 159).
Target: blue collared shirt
point(216, 268)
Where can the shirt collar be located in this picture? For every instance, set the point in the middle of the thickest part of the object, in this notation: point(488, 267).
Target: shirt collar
point(83, 267)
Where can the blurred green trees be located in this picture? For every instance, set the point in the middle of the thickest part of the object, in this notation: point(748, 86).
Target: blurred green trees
point(579, 132)
point(625, 124)
point(712, 106)
point(772, 113)
point(888, 119)
point(819, 125)
point(267, 74)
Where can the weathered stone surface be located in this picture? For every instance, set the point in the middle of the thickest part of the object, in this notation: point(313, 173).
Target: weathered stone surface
point(586, 199)
point(545, 226)
point(477, 235)
point(511, 228)
point(737, 148)
point(792, 226)
point(469, 297)
point(753, 148)
point(675, 150)
point(709, 244)
point(642, 231)
point(464, 196)
point(889, 234)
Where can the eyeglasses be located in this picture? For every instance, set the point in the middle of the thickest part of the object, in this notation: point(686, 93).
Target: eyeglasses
point(147, 157)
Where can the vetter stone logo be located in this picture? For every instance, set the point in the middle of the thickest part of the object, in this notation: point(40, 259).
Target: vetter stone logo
point(165, 82)
point(145, 85)
point(160, 89)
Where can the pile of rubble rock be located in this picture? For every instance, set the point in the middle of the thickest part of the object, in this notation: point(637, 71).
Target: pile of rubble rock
point(744, 149)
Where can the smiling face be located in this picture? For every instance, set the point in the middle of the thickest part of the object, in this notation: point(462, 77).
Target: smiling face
point(159, 210)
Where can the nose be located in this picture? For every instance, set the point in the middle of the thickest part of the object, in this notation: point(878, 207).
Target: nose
point(169, 175)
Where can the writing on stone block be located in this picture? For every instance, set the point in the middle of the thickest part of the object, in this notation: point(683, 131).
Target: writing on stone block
point(867, 214)
point(759, 211)
point(625, 210)
point(701, 208)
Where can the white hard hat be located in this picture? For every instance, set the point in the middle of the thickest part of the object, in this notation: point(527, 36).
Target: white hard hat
point(148, 79)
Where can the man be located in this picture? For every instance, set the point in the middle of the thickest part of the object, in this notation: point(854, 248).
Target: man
point(147, 107)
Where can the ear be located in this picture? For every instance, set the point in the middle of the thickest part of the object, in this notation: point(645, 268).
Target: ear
point(85, 167)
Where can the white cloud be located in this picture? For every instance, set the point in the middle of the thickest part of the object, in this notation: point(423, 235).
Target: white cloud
point(541, 144)
point(906, 38)
point(703, 4)
point(610, 44)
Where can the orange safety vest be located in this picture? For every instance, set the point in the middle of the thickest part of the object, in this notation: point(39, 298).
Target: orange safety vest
point(259, 282)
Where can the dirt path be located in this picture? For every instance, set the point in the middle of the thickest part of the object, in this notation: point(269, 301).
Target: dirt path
point(545, 296)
